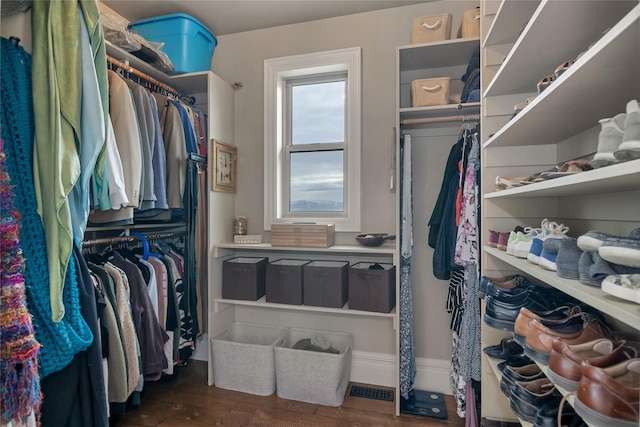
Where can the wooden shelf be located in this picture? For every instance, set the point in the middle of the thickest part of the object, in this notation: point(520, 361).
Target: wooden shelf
point(584, 82)
point(625, 311)
point(619, 177)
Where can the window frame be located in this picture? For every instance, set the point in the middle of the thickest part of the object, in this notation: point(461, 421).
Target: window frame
point(276, 182)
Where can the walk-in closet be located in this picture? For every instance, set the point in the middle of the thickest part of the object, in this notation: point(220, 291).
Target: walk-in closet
point(320, 213)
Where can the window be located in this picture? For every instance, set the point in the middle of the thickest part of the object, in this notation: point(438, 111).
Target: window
point(312, 139)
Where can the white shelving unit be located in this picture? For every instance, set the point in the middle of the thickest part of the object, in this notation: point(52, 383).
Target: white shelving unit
point(511, 18)
point(215, 97)
point(228, 310)
point(560, 124)
point(436, 59)
point(433, 129)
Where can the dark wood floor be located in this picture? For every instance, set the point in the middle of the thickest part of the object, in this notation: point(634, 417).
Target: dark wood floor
point(188, 401)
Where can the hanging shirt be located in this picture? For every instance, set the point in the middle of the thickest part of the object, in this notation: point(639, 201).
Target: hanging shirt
point(57, 95)
point(159, 163)
point(92, 137)
point(127, 135)
point(175, 148)
point(147, 129)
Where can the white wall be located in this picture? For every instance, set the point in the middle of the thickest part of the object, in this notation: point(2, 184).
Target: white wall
point(240, 58)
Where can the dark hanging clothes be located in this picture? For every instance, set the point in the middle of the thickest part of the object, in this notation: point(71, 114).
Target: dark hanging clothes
point(451, 168)
point(150, 335)
point(76, 395)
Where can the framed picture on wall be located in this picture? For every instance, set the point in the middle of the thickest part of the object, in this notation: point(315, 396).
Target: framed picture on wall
point(224, 167)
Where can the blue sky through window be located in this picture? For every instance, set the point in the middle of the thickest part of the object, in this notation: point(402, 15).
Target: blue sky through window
point(317, 117)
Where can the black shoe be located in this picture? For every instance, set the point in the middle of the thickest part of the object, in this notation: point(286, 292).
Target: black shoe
point(519, 360)
point(504, 350)
point(527, 397)
point(525, 373)
point(547, 416)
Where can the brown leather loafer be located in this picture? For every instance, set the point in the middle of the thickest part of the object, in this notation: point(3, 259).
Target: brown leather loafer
point(565, 359)
point(610, 396)
point(521, 325)
point(577, 329)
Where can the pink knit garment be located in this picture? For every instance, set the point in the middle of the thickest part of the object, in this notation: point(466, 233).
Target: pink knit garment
point(20, 383)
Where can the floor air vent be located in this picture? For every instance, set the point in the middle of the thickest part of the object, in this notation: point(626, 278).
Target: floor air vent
point(371, 393)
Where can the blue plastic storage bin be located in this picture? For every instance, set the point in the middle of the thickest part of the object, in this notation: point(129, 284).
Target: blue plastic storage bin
point(187, 42)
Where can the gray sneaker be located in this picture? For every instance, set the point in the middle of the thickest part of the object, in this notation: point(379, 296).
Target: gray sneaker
point(609, 140)
point(621, 250)
point(629, 149)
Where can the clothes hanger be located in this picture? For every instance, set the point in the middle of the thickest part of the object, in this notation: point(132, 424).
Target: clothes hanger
point(145, 243)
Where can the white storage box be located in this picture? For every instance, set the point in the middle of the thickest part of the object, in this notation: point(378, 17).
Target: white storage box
point(313, 376)
point(243, 358)
point(426, 92)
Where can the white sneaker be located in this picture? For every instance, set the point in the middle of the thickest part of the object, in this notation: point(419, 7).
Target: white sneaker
point(551, 230)
point(523, 243)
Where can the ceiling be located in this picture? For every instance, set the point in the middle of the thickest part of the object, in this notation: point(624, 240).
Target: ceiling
point(235, 16)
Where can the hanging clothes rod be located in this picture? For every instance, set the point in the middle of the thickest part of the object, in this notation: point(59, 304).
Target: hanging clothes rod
point(431, 120)
point(473, 117)
point(129, 69)
point(126, 239)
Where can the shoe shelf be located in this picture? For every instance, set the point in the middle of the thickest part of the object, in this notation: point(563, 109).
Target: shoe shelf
point(624, 311)
point(604, 78)
point(619, 177)
point(510, 19)
point(493, 363)
point(547, 34)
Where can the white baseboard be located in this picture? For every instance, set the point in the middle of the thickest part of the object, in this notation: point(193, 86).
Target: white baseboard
point(380, 369)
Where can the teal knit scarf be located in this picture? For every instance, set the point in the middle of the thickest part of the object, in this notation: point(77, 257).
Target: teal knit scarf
point(62, 340)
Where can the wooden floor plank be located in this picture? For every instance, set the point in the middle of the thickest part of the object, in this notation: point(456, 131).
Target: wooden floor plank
point(187, 401)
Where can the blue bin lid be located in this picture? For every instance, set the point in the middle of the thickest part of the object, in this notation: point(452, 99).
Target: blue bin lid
point(172, 16)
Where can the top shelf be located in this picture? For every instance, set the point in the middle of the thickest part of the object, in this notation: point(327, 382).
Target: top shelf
point(607, 72)
point(510, 19)
point(445, 53)
point(554, 42)
point(188, 83)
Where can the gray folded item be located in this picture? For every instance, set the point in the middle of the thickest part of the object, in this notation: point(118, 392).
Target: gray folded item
point(315, 343)
point(592, 268)
point(568, 258)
